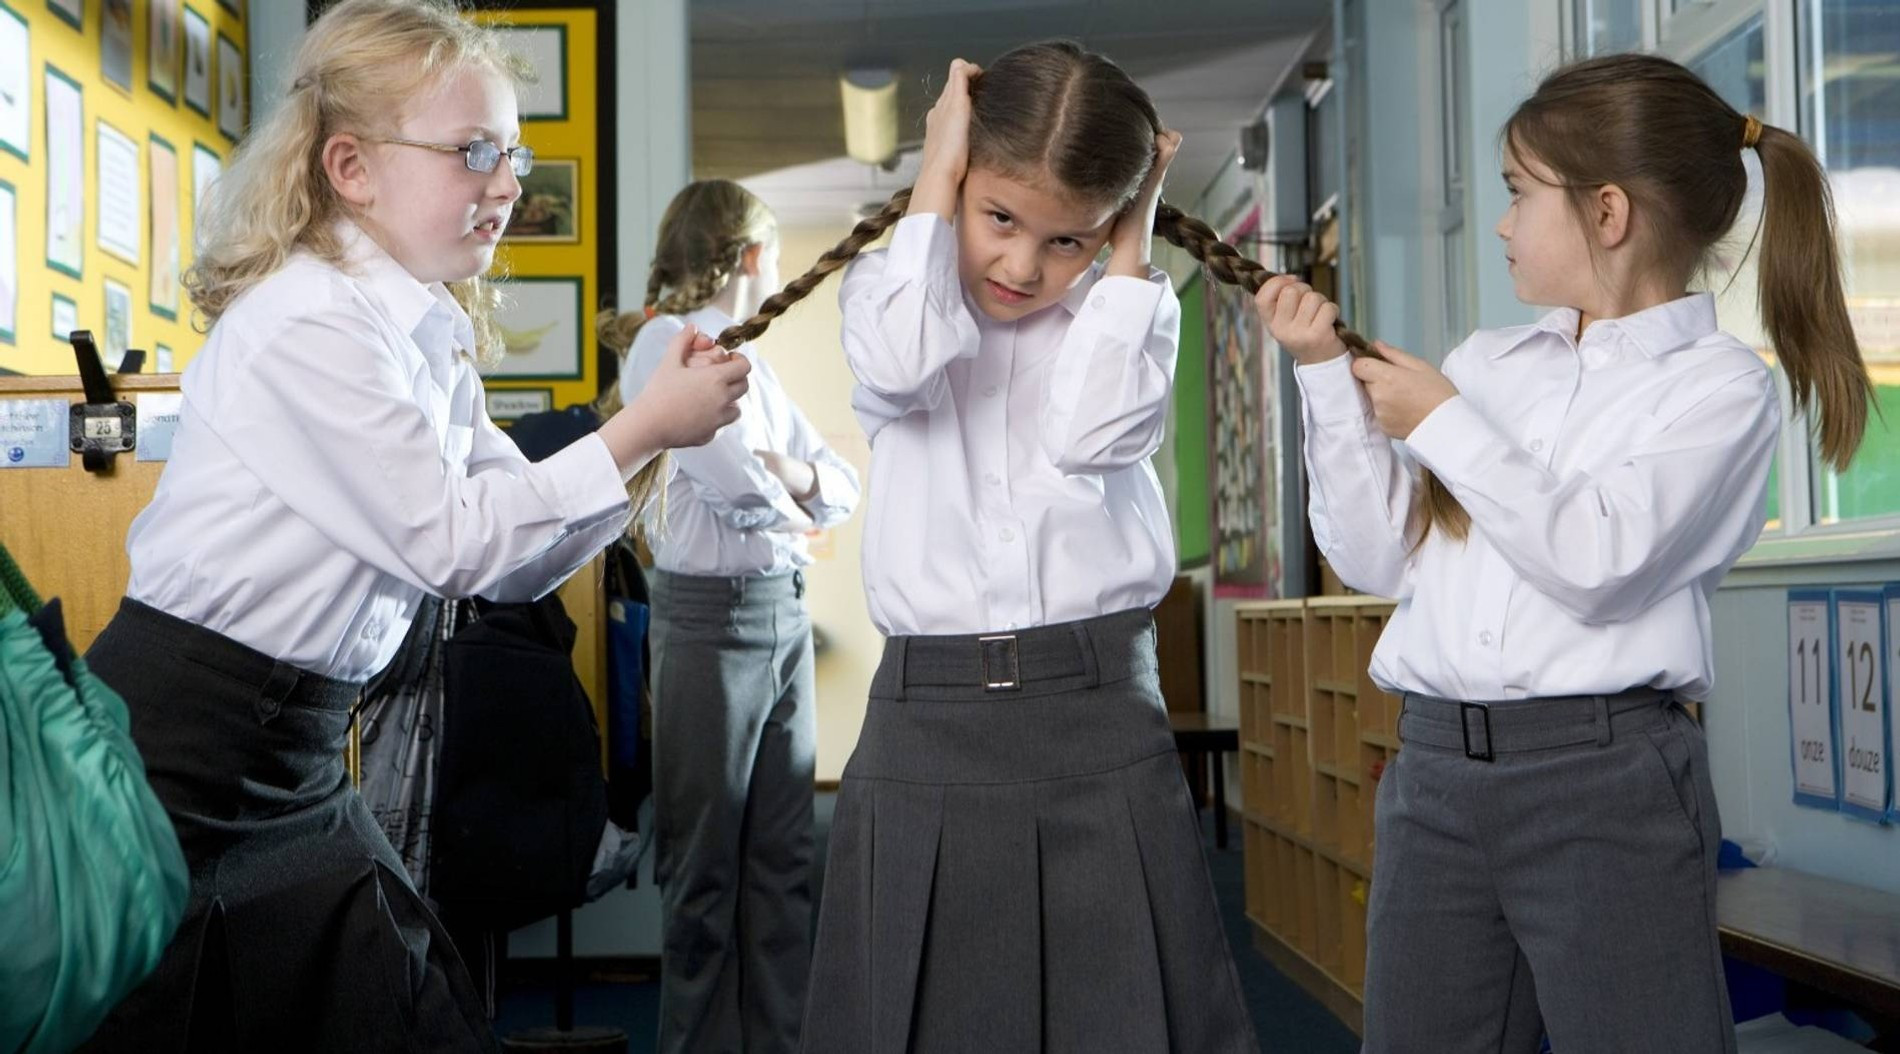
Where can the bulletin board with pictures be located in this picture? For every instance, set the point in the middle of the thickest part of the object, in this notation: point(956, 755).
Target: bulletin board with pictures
point(1243, 464)
point(115, 118)
point(557, 259)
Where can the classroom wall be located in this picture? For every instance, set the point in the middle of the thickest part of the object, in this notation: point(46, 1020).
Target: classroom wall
point(1746, 721)
point(803, 346)
point(163, 123)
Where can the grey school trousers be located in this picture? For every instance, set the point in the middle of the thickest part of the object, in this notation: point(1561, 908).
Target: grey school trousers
point(734, 746)
point(1567, 884)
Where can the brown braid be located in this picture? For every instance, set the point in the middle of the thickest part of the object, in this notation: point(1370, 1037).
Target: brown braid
point(1225, 263)
point(1222, 260)
point(866, 232)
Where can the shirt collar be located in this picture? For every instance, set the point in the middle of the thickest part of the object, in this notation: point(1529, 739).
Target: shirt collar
point(1653, 331)
point(415, 307)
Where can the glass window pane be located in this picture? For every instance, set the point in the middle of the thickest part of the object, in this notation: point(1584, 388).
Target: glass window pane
point(1736, 68)
point(1850, 112)
point(1607, 26)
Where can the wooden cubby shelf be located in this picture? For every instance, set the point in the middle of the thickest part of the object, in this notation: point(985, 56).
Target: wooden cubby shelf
point(1316, 735)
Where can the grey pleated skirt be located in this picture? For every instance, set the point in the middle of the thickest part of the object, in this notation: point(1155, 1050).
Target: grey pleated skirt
point(1014, 862)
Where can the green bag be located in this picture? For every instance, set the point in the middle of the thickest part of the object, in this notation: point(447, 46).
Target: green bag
point(92, 882)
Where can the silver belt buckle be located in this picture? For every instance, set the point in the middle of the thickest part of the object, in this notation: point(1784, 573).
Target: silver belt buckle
point(1002, 672)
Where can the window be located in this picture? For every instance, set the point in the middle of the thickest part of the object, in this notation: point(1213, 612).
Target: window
point(1735, 67)
point(1849, 92)
point(1455, 147)
point(1602, 27)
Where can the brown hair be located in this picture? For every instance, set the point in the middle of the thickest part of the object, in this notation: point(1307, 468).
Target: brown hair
point(704, 234)
point(1674, 146)
point(1049, 110)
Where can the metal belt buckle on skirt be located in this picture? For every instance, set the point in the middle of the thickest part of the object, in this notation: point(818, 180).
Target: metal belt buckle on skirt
point(1001, 670)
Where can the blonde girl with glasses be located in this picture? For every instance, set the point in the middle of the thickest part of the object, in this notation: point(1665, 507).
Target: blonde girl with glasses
point(334, 466)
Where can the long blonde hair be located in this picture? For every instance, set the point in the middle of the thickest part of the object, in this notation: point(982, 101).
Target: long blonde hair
point(275, 198)
point(704, 234)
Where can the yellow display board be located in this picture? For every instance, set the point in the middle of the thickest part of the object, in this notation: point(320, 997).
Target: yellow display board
point(551, 259)
point(141, 121)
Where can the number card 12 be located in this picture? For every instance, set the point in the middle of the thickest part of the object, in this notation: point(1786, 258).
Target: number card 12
point(1811, 711)
point(1861, 648)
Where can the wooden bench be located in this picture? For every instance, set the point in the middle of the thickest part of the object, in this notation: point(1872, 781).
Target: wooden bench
point(1836, 938)
point(1205, 735)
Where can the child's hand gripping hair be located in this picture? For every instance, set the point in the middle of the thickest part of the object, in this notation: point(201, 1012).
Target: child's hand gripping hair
point(1131, 242)
point(1403, 388)
point(692, 395)
point(946, 156)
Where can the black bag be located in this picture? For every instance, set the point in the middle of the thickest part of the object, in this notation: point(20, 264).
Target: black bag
point(520, 802)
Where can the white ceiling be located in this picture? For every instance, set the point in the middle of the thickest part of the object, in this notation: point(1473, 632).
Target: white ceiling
point(765, 90)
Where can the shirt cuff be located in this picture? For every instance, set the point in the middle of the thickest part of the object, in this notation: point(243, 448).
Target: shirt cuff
point(1124, 304)
point(584, 482)
point(1330, 392)
point(924, 248)
point(832, 483)
point(1453, 440)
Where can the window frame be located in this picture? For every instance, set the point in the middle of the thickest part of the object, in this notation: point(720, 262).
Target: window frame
point(1686, 34)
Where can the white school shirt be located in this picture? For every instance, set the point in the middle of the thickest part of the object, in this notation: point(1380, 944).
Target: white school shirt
point(334, 462)
point(1611, 483)
point(724, 511)
point(1010, 481)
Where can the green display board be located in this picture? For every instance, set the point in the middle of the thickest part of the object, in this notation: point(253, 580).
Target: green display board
point(1190, 421)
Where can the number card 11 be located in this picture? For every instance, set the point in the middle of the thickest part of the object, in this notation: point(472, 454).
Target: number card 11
point(1811, 698)
point(1860, 640)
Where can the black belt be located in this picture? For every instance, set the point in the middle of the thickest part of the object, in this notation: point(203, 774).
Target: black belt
point(1089, 652)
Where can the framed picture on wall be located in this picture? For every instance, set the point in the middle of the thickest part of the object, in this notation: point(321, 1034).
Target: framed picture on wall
point(545, 48)
point(9, 263)
point(16, 84)
point(549, 207)
point(161, 60)
point(232, 95)
point(118, 324)
point(65, 317)
point(161, 358)
point(197, 62)
point(115, 43)
point(71, 12)
point(65, 174)
point(164, 221)
point(120, 195)
point(206, 167)
point(542, 329)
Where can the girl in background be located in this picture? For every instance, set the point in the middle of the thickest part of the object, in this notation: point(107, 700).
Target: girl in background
point(734, 728)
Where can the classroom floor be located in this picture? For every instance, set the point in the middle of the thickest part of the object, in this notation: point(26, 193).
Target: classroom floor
point(1285, 1017)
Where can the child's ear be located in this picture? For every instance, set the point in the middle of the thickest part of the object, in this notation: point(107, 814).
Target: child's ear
point(346, 163)
point(749, 259)
point(1611, 215)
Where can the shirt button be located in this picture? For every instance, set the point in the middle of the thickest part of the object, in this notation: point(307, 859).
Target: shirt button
point(1007, 535)
point(992, 478)
point(1485, 638)
point(1099, 303)
point(990, 392)
point(1536, 445)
